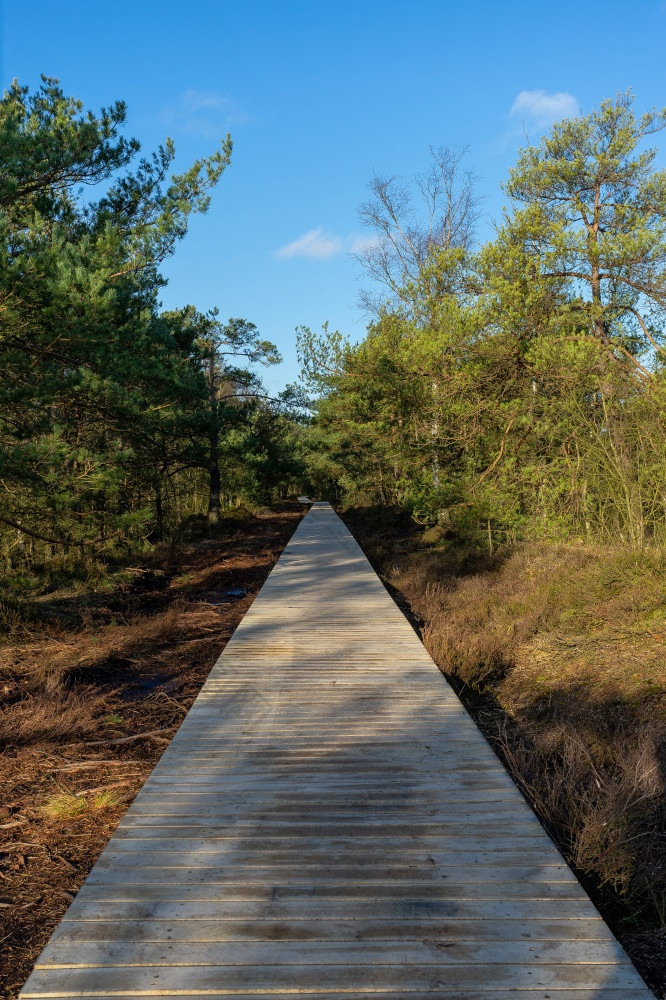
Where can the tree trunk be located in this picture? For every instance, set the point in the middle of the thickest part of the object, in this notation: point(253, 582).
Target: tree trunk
point(434, 432)
point(159, 513)
point(600, 328)
point(214, 481)
point(600, 325)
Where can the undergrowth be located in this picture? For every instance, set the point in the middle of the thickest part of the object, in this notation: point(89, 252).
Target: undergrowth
point(29, 591)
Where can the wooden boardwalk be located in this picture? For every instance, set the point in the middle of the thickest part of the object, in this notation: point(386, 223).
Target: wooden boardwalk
point(328, 821)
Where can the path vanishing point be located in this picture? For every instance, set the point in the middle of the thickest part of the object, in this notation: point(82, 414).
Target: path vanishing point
point(329, 823)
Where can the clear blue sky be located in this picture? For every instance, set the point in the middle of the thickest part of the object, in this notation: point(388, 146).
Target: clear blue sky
point(317, 95)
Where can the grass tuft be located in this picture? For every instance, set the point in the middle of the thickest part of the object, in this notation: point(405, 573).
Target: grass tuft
point(64, 806)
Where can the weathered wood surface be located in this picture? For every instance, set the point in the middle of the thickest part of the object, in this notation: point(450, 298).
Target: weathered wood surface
point(328, 821)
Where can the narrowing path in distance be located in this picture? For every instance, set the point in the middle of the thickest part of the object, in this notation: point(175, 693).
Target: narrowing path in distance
point(328, 822)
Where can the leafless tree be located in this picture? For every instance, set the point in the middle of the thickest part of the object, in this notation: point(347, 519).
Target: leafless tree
point(438, 208)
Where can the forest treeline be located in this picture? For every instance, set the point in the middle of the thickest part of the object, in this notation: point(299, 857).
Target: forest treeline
point(504, 391)
point(118, 421)
point(514, 390)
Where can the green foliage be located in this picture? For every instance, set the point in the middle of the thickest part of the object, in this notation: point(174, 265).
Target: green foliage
point(106, 412)
point(519, 391)
point(591, 229)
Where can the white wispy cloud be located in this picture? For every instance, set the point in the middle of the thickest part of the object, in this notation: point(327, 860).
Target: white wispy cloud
point(203, 112)
point(317, 244)
point(540, 109)
point(360, 244)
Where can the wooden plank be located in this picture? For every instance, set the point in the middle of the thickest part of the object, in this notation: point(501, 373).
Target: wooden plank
point(312, 978)
point(195, 929)
point(329, 822)
point(479, 818)
point(168, 906)
point(479, 823)
point(327, 811)
point(455, 993)
point(63, 953)
point(254, 854)
point(154, 887)
point(170, 839)
point(195, 869)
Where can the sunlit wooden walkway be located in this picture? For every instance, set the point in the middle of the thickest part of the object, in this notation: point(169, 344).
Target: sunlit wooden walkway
point(328, 821)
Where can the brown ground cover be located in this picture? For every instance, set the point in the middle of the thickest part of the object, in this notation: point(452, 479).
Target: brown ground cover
point(559, 652)
point(91, 691)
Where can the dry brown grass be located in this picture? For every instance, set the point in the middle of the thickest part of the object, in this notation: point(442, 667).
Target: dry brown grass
point(541, 617)
point(50, 716)
point(604, 808)
point(60, 688)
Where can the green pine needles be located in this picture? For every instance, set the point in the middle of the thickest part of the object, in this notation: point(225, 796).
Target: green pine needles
point(106, 414)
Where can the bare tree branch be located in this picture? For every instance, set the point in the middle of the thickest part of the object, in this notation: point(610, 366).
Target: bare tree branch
point(438, 210)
